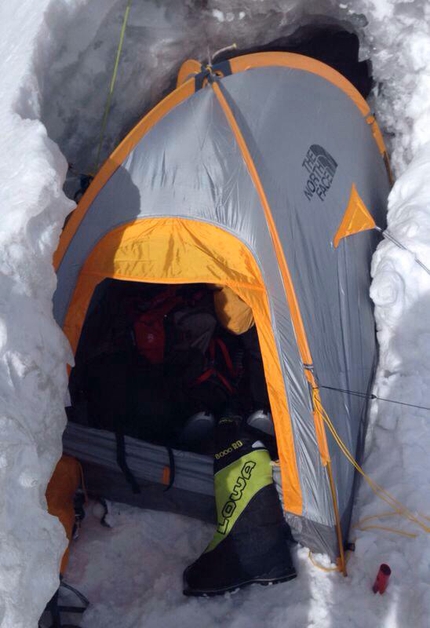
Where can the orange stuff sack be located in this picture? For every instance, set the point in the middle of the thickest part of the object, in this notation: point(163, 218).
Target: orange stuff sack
point(232, 312)
point(60, 494)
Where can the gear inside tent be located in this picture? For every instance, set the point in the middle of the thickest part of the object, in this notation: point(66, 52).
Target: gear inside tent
point(263, 173)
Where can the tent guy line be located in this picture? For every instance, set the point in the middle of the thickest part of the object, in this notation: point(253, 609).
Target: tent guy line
point(387, 235)
point(374, 397)
point(112, 86)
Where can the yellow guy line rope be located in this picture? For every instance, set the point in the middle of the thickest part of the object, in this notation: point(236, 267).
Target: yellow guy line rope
point(398, 507)
point(362, 524)
point(112, 85)
point(410, 535)
point(315, 564)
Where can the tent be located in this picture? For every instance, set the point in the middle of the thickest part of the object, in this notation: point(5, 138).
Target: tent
point(264, 173)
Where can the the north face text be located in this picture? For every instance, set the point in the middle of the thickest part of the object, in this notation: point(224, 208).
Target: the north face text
point(321, 168)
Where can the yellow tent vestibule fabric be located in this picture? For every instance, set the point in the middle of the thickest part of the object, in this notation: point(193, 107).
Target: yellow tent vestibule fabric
point(174, 250)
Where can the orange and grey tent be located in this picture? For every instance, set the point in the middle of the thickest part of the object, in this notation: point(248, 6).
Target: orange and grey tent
point(251, 174)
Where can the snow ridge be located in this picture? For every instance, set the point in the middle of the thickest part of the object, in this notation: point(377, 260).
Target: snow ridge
point(33, 351)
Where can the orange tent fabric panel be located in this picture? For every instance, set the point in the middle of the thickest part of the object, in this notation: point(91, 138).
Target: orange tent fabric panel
point(60, 493)
point(355, 219)
point(188, 69)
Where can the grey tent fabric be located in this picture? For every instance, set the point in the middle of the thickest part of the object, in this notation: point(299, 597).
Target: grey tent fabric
point(310, 144)
point(191, 494)
point(329, 282)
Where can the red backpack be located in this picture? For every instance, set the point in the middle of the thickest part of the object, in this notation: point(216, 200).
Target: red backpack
point(148, 324)
point(190, 331)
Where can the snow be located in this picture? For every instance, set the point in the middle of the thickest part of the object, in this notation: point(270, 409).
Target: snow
point(56, 57)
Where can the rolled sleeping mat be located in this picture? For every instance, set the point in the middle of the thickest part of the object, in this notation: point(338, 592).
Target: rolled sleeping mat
point(251, 542)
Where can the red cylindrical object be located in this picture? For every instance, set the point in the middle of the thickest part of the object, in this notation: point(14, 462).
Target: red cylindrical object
point(382, 578)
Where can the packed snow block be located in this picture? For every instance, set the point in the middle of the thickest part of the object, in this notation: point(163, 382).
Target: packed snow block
point(192, 491)
point(251, 542)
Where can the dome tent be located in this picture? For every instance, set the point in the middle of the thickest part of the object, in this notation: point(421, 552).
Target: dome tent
point(250, 174)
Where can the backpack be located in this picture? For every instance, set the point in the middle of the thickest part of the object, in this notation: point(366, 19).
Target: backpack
point(190, 328)
point(148, 320)
point(210, 382)
point(219, 366)
point(170, 324)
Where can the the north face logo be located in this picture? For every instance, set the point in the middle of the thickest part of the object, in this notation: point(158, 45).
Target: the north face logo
point(321, 168)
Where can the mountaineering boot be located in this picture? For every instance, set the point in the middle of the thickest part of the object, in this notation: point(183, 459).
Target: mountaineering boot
point(198, 429)
point(250, 544)
point(261, 421)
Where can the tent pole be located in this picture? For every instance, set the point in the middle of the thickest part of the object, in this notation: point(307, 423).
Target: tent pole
point(342, 562)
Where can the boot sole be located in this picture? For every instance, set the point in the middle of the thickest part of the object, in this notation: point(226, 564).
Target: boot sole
point(263, 581)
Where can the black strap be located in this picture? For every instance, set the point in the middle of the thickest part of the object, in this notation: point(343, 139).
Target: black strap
point(122, 461)
point(55, 609)
point(52, 607)
point(103, 521)
point(85, 601)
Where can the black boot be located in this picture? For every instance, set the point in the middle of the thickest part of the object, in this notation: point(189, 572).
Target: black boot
point(251, 541)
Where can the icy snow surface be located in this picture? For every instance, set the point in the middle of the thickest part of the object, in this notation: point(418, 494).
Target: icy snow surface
point(56, 59)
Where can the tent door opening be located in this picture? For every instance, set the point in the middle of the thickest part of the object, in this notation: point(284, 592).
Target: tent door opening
point(153, 355)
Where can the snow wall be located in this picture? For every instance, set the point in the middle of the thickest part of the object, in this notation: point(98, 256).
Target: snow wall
point(56, 63)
